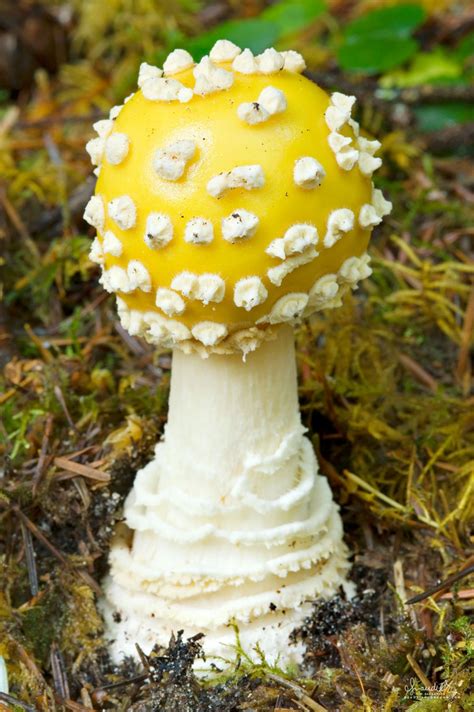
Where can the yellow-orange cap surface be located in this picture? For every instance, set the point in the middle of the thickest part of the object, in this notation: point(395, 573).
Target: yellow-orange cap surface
point(232, 195)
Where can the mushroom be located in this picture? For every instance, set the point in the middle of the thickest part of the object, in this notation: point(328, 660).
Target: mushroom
point(218, 235)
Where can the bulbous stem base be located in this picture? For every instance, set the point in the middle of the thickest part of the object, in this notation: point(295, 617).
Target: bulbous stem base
point(231, 522)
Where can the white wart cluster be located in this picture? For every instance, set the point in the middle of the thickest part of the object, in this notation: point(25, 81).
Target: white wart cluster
point(339, 222)
point(270, 101)
point(158, 230)
point(205, 287)
point(210, 78)
point(178, 61)
point(161, 85)
point(156, 87)
point(371, 214)
point(308, 172)
point(114, 145)
point(249, 292)
point(94, 213)
point(239, 225)
point(123, 212)
point(349, 151)
point(248, 177)
point(294, 249)
point(117, 279)
point(199, 231)
point(326, 292)
point(269, 62)
point(172, 162)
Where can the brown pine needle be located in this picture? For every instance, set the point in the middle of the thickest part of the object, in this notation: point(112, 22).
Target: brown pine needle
point(77, 468)
point(419, 672)
point(418, 372)
point(55, 552)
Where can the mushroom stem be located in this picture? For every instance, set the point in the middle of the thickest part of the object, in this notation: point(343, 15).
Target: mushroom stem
point(231, 521)
point(228, 413)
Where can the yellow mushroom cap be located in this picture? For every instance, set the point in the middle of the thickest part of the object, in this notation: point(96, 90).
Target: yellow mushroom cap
point(233, 194)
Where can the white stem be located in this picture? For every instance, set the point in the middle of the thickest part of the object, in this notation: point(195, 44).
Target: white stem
point(227, 410)
point(231, 520)
point(3, 676)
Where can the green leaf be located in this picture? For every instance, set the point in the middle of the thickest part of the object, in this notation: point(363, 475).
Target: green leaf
point(465, 48)
point(292, 16)
point(381, 39)
point(434, 117)
point(256, 34)
point(426, 67)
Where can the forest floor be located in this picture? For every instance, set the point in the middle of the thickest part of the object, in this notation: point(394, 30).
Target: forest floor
point(385, 391)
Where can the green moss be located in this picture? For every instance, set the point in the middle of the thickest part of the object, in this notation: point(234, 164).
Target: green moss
point(41, 624)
